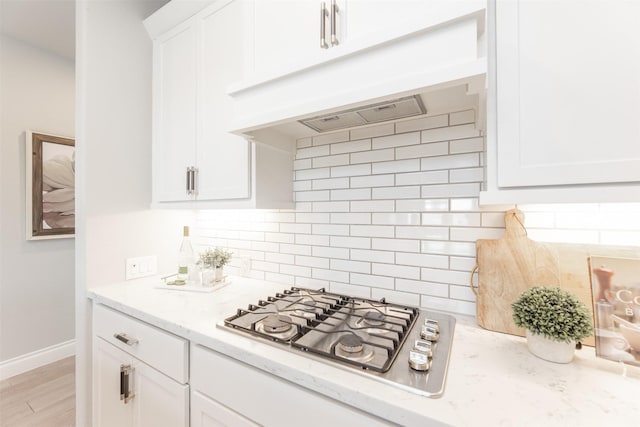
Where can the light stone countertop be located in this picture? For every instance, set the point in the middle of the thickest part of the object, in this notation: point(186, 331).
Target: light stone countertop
point(492, 380)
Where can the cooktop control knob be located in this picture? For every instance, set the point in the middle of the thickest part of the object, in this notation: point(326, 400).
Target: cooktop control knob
point(419, 359)
point(428, 333)
point(424, 346)
point(433, 324)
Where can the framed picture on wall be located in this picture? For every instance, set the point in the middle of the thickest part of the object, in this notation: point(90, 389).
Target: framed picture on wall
point(50, 186)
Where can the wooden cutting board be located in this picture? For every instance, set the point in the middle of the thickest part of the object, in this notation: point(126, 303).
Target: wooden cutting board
point(513, 263)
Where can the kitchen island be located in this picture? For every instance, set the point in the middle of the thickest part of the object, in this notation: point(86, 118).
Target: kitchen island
point(492, 379)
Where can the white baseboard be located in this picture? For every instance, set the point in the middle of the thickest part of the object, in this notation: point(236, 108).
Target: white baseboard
point(35, 359)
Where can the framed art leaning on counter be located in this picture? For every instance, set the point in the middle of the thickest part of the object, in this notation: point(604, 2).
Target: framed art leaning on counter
point(50, 186)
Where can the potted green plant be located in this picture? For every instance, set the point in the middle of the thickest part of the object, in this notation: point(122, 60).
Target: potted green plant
point(212, 262)
point(555, 321)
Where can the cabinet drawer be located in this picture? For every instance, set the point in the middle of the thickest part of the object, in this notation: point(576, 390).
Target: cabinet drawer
point(164, 351)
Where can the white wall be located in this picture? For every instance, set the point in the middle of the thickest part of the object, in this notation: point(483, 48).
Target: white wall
point(113, 61)
point(37, 277)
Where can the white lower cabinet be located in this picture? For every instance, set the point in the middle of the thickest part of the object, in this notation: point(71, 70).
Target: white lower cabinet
point(227, 392)
point(126, 390)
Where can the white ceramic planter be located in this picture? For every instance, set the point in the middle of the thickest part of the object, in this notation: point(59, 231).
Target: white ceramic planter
point(553, 351)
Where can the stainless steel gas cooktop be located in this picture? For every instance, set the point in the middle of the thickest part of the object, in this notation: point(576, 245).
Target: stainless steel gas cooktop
point(397, 344)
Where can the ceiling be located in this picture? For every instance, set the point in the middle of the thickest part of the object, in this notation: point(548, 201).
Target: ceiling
point(46, 24)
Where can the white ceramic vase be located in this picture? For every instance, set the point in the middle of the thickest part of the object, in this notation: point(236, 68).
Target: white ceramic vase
point(547, 349)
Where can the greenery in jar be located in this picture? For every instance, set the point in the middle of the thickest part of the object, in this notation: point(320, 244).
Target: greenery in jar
point(554, 313)
point(217, 258)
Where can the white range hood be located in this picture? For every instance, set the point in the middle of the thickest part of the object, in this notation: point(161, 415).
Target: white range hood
point(431, 70)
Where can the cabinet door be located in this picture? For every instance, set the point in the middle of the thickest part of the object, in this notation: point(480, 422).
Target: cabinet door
point(108, 409)
point(206, 412)
point(286, 32)
point(174, 116)
point(159, 401)
point(224, 159)
point(568, 92)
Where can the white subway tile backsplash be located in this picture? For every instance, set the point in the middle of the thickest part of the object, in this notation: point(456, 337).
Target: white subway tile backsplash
point(312, 196)
point(301, 185)
point(372, 156)
point(422, 260)
point(305, 153)
point(295, 270)
point(301, 164)
point(460, 219)
point(395, 245)
point(339, 160)
point(462, 117)
point(451, 161)
point(422, 205)
point(448, 248)
point(396, 166)
point(423, 150)
point(424, 233)
point(395, 192)
point(279, 237)
point(466, 175)
point(422, 123)
point(372, 131)
point(287, 248)
point(352, 266)
point(303, 142)
point(372, 181)
point(429, 177)
point(449, 133)
point(331, 275)
point(469, 145)
point(330, 183)
point(373, 206)
point(331, 206)
point(371, 280)
point(330, 229)
point(372, 230)
point(331, 138)
point(403, 223)
point(398, 140)
point(351, 194)
point(295, 228)
point(313, 174)
point(351, 242)
point(312, 218)
point(353, 170)
point(280, 258)
point(351, 146)
point(393, 270)
point(373, 256)
point(395, 218)
point(312, 239)
point(312, 261)
point(330, 252)
point(450, 190)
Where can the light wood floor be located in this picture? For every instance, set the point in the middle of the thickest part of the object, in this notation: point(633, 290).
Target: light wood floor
point(43, 397)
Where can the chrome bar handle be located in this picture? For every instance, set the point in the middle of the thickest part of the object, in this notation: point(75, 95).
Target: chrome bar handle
point(334, 23)
point(188, 181)
point(194, 171)
point(125, 392)
point(125, 338)
point(121, 382)
point(323, 18)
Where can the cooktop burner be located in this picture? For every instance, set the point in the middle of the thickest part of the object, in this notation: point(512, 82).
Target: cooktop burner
point(355, 332)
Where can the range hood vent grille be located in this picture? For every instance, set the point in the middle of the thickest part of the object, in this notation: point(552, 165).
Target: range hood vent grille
point(375, 113)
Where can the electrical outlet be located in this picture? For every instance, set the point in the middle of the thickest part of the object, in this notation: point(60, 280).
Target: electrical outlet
point(245, 266)
point(141, 267)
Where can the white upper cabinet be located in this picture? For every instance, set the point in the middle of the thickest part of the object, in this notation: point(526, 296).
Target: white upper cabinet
point(196, 162)
point(564, 102)
point(290, 35)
